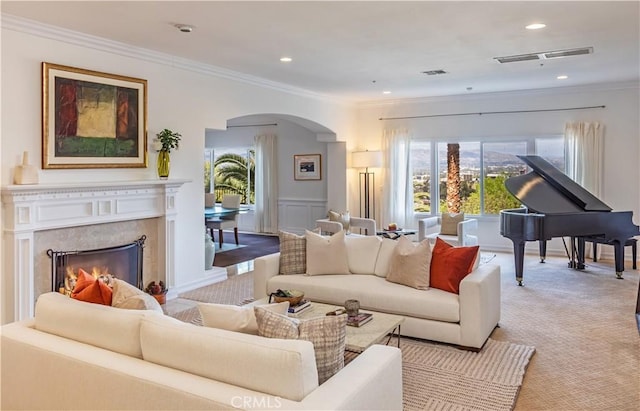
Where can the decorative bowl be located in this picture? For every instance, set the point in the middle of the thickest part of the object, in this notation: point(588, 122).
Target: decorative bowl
point(294, 297)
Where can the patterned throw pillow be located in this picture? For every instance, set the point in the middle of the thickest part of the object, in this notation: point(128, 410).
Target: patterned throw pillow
point(342, 218)
point(410, 264)
point(328, 335)
point(449, 265)
point(293, 252)
point(128, 297)
point(449, 224)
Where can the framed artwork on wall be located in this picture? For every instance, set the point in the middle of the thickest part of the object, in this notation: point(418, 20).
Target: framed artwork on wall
point(307, 167)
point(92, 119)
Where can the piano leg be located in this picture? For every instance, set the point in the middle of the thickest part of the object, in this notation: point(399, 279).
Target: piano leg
point(518, 253)
point(543, 250)
point(618, 247)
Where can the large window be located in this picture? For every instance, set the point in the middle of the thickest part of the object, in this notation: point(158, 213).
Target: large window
point(234, 173)
point(482, 167)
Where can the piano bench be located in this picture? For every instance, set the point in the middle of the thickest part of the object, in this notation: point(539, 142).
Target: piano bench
point(632, 242)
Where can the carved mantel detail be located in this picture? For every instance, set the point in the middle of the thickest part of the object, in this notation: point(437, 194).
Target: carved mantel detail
point(27, 209)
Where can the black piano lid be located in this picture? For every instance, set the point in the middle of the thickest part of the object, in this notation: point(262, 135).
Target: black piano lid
point(547, 190)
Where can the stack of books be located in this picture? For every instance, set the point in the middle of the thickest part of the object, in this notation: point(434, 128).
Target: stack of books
point(302, 305)
point(359, 320)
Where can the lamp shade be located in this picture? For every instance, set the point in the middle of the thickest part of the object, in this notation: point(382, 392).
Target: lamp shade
point(364, 159)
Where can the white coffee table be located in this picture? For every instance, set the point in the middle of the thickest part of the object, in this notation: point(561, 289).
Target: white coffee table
point(358, 339)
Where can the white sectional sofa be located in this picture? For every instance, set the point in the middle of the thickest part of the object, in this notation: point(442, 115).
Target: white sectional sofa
point(465, 319)
point(77, 355)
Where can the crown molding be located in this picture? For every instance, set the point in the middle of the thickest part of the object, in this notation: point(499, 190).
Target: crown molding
point(39, 29)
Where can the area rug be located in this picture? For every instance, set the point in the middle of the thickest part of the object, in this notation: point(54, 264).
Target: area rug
point(235, 290)
point(251, 246)
point(440, 377)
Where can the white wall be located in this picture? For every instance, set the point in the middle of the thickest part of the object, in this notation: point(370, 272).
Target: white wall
point(620, 118)
point(182, 96)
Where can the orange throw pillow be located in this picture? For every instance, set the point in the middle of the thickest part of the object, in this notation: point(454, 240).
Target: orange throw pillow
point(91, 290)
point(449, 265)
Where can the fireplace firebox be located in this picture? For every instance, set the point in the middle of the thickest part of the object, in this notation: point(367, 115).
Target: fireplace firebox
point(123, 262)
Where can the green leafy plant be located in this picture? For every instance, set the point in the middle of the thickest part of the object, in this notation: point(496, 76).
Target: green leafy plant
point(168, 139)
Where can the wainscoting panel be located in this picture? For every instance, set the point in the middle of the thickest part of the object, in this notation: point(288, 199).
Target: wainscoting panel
point(297, 215)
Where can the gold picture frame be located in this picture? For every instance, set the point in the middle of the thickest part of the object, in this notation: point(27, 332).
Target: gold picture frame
point(307, 167)
point(92, 119)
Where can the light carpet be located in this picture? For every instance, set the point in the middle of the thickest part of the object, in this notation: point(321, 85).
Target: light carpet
point(439, 377)
point(235, 290)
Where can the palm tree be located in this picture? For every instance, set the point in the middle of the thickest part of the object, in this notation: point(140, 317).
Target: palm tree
point(235, 174)
point(453, 178)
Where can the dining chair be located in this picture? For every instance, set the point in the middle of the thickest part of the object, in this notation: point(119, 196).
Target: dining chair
point(226, 222)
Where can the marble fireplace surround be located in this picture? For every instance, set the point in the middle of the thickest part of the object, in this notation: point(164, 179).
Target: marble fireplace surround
point(35, 212)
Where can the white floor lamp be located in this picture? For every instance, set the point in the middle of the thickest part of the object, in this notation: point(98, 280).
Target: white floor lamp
point(366, 160)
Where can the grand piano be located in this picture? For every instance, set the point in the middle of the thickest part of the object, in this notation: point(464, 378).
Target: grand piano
point(556, 206)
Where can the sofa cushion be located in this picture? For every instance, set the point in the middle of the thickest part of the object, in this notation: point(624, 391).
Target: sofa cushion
point(95, 324)
point(449, 265)
point(410, 264)
point(127, 296)
point(91, 290)
point(328, 335)
point(342, 218)
point(293, 253)
point(284, 368)
point(374, 293)
point(235, 318)
point(449, 223)
point(360, 251)
point(326, 255)
point(384, 257)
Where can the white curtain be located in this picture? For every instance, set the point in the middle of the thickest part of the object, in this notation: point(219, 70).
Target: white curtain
point(583, 158)
point(266, 210)
point(583, 152)
point(397, 191)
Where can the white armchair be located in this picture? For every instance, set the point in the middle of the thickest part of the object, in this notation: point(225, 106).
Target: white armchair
point(328, 226)
point(467, 231)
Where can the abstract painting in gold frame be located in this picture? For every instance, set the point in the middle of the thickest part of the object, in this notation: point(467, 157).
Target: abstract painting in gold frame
point(92, 119)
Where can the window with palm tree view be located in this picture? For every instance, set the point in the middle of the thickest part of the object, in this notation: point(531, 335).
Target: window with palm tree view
point(233, 173)
point(471, 175)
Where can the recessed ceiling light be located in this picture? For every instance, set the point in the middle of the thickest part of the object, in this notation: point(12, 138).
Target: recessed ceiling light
point(562, 77)
point(286, 59)
point(535, 26)
point(185, 28)
point(386, 92)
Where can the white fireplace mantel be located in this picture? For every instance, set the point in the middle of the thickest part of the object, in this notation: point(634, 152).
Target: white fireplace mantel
point(27, 209)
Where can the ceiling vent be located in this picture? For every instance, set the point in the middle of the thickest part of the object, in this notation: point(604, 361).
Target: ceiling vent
point(545, 55)
point(568, 53)
point(434, 72)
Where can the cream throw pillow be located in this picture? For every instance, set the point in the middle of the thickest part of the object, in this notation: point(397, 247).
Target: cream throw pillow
point(326, 255)
point(360, 249)
point(449, 223)
point(235, 318)
point(129, 297)
point(328, 335)
point(410, 264)
point(384, 257)
point(342, 218)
